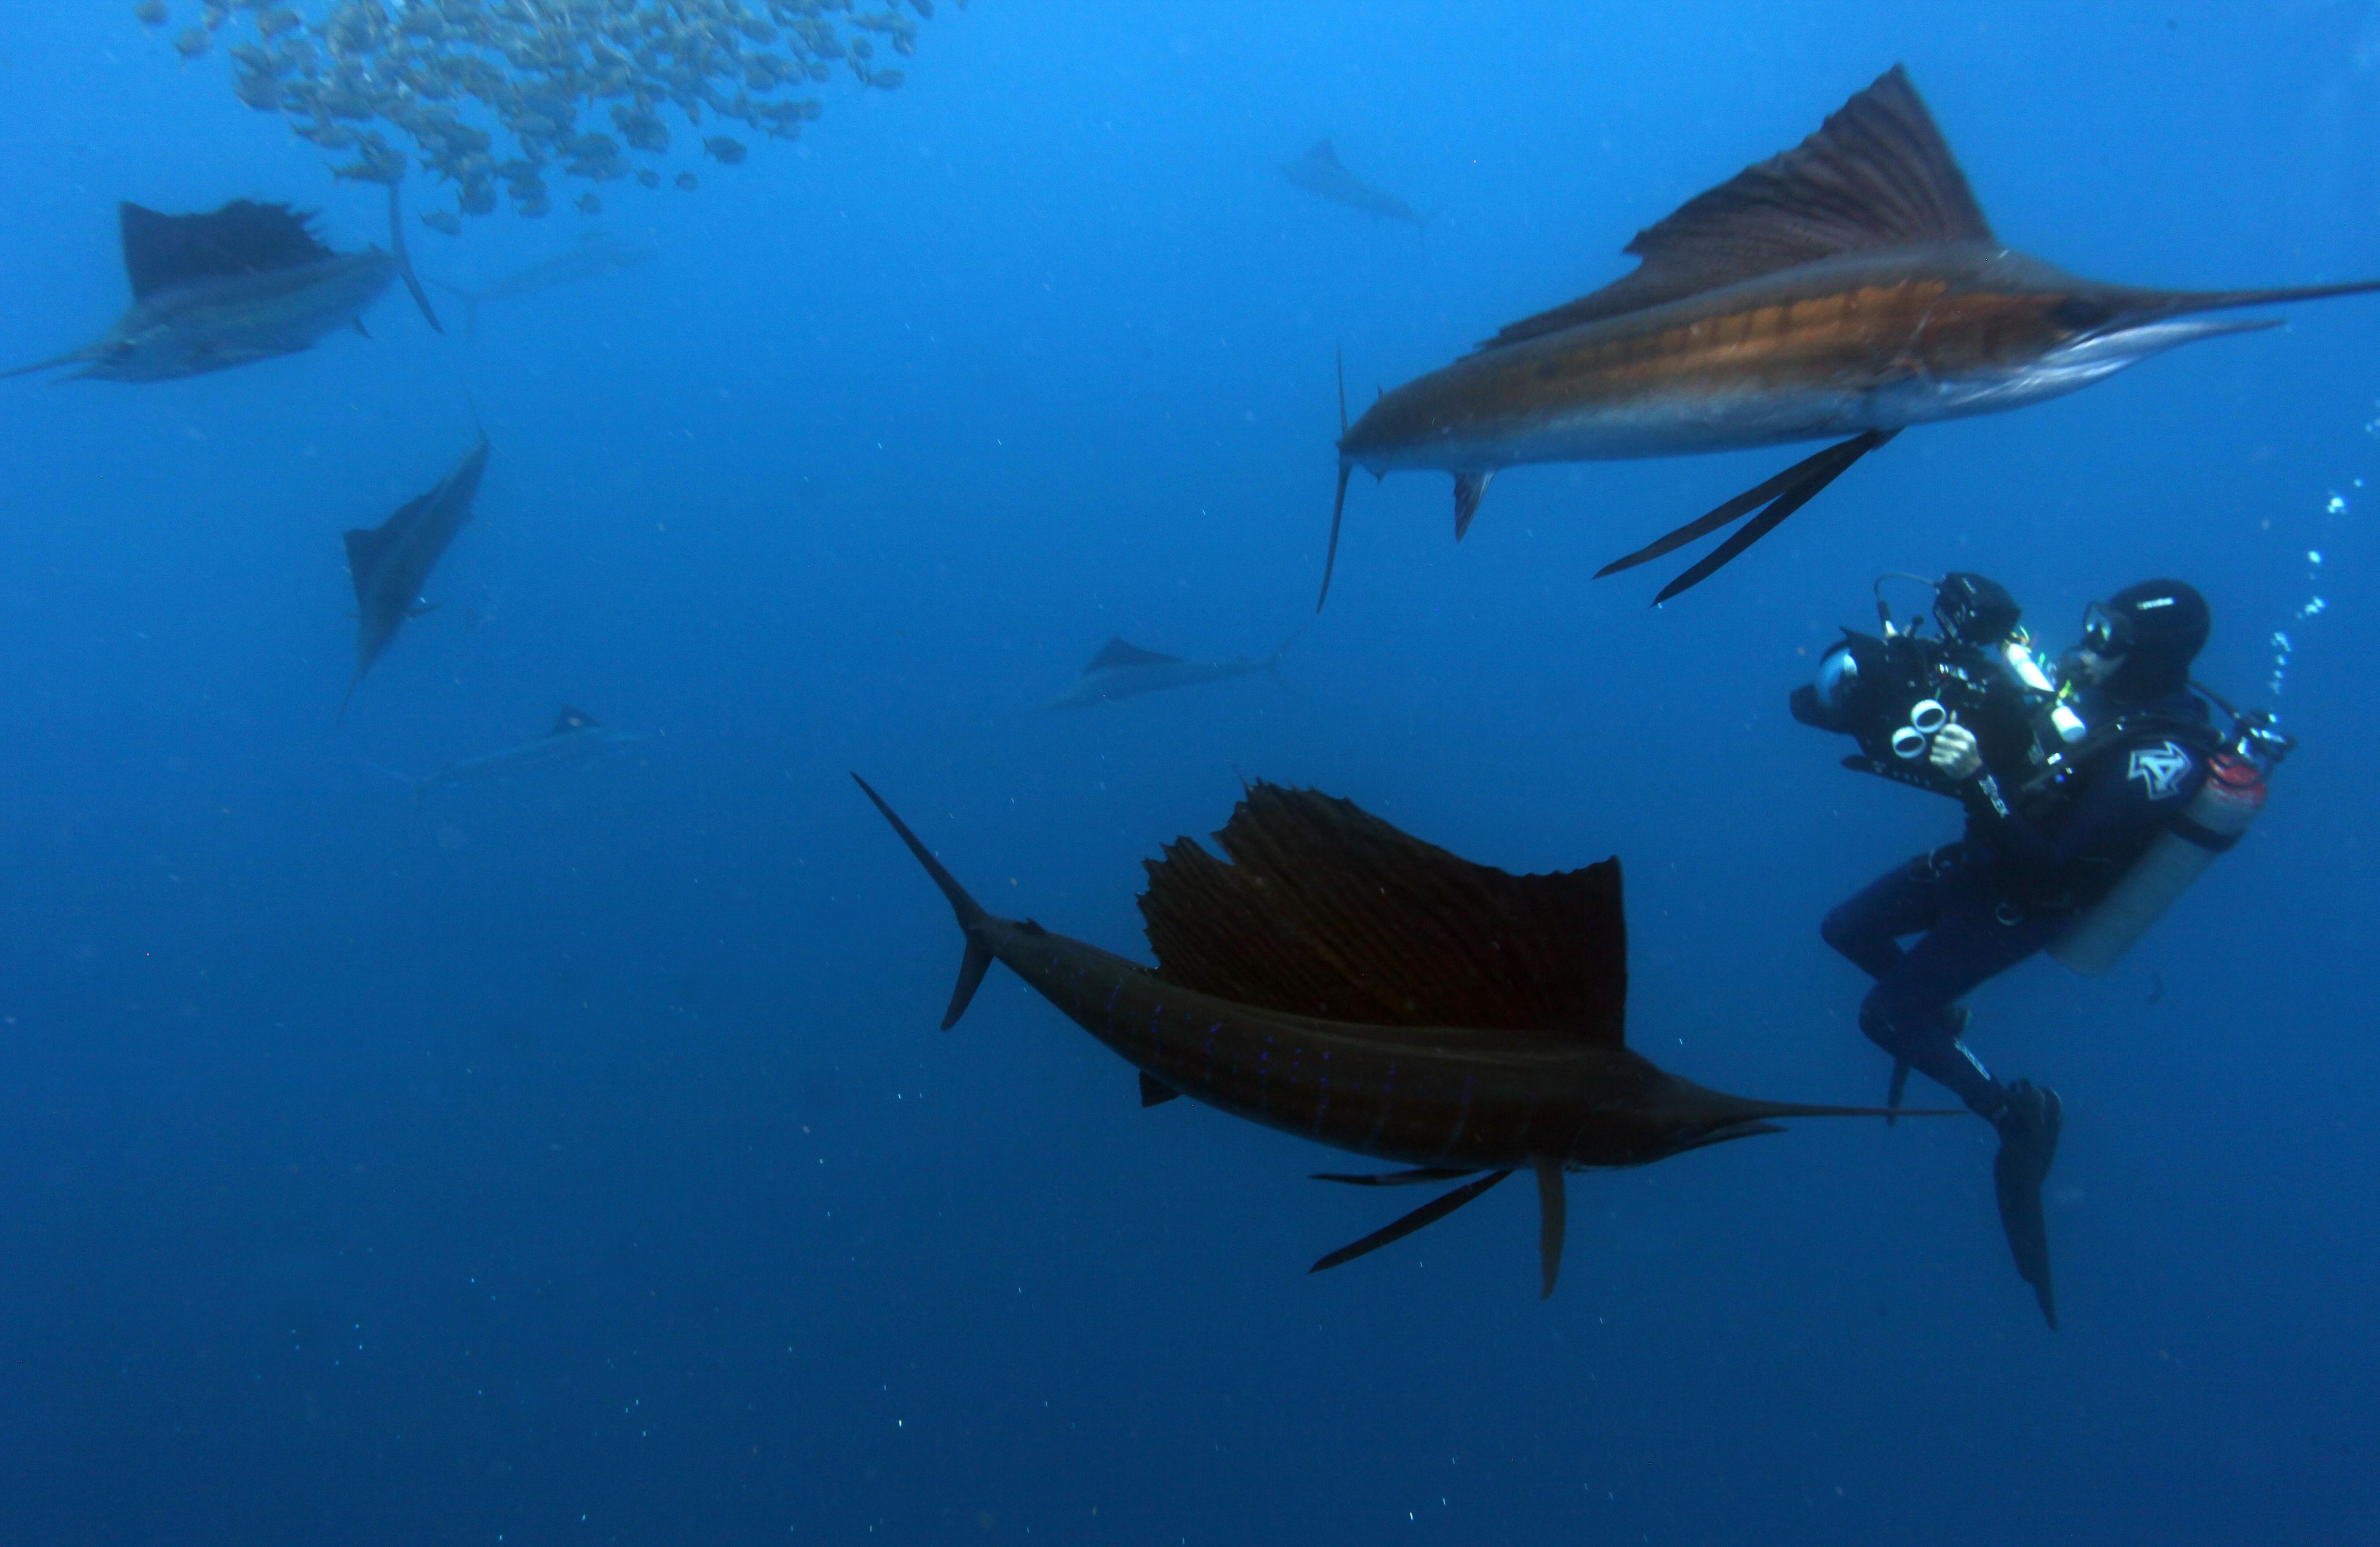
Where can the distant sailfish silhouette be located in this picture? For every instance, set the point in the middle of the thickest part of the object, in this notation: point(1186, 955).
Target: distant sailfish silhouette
point(1318, 172)
point(1123, 670)
point(1346, 982)
point(576, 737)
point(392, 561)
point(1848, 288)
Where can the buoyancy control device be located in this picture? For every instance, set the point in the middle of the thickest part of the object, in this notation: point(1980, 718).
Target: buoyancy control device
point(2216, 818)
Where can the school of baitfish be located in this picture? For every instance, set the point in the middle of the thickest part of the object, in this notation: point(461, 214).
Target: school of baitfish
point(498, 98)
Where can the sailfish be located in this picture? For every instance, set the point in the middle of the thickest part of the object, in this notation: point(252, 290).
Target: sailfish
point(392, 561)
point(222, 289)
point(1344, 981)
point(1850, 287)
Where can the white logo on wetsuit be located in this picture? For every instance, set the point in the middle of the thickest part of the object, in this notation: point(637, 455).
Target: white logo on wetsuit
point(2161, 768)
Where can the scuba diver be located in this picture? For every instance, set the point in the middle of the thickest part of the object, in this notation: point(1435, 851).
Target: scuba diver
point(2072, 783)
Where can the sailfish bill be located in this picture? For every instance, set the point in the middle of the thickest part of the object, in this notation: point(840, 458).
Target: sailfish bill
point(1340, 980)
point(1845, 290)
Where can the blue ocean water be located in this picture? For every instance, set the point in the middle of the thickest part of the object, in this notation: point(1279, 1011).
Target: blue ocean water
point(573, 1159)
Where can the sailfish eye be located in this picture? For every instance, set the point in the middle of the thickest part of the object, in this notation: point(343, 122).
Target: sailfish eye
point(2077, 314)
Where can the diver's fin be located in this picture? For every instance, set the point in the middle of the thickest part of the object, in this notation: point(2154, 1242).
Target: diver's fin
point(1429, 1213)
point(1892, 1091)
point(2028, 1132)
point(1396, 1179)
point(1155, 1093)
point(1469, 489)
point(971, 915)
point(1553, 1219)
point(404, 263)
point(1783, 494)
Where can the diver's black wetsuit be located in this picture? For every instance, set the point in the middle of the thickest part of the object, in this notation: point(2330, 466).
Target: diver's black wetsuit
point(2005, 889)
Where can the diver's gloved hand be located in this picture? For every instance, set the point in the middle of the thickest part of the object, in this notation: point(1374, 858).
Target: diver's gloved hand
point(1955, 754)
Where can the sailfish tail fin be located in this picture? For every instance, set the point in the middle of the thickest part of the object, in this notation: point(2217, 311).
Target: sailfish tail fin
point(971, 915)
point(404, 261)
point(1338, 504)
point(1272, 661)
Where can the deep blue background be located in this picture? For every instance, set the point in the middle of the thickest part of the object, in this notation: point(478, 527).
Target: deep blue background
point(575, 1161)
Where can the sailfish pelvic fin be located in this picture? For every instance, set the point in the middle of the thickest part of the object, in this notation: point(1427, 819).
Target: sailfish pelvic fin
point(1553, 1219)
point(1783, 494)
point(1469, 489)
point(1429, 1213)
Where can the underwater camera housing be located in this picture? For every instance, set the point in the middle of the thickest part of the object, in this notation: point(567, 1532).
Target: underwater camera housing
point(1892, 691)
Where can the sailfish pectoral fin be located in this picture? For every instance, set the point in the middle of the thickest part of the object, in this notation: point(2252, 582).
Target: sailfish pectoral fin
point(1469, 489)
point(1783, 494)
point(1429, 1213)
point(1553, 1218)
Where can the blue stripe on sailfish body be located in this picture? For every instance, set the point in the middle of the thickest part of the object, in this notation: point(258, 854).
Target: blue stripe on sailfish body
point(1845, 290)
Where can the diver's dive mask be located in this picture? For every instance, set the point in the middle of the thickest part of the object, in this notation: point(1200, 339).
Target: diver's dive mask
point(2107, 633)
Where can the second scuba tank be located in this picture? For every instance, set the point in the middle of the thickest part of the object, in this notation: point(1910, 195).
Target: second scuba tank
point(2214, 819)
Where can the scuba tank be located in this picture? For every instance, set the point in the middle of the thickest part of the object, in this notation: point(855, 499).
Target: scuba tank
point(2214, 819)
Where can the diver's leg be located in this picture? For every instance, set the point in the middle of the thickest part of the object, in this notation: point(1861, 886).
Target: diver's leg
point(1867, 929)
point(1908, 1013)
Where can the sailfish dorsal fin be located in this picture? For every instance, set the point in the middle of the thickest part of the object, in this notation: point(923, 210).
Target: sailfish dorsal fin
point(243, 237)
point(1876, 174)
point(1122, 652)
point(571, 720)
point(1329, 912)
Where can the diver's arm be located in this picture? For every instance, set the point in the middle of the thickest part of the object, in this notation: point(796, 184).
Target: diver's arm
point(2113, 811)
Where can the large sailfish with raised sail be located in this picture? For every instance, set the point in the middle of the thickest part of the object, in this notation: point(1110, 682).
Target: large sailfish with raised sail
point(1344, 981)
point(227, 287)
point(1847, 289)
